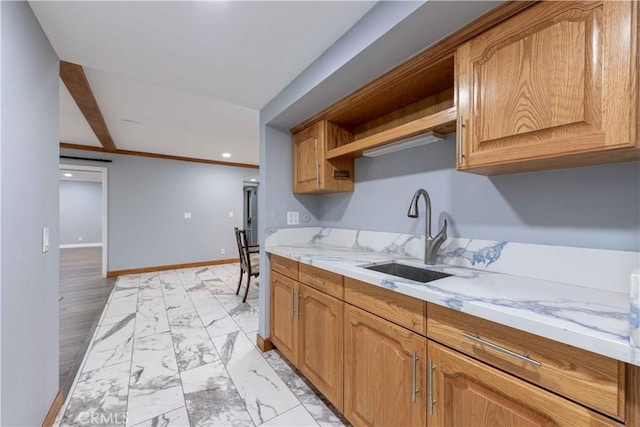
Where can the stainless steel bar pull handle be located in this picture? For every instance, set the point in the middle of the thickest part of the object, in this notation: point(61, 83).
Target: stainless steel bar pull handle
point(298, 308)
point(293, 310)
point(414, 376)
point(318, 173)
point(460, 145)
point(430, 401)
point(315, 279)
point(503, 350)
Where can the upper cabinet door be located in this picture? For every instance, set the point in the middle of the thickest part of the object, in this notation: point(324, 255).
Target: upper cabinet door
point(312, 172)
point(306, 158)
point(554, 86)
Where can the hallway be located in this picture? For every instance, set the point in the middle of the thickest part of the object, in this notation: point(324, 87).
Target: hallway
point(83, 296)
point(177, 348)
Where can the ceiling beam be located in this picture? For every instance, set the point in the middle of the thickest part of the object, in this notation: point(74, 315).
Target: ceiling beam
point(157, 156)
point(76, 81)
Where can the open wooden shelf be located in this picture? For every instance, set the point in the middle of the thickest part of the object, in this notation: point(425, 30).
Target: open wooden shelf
point(442, 122)
point(421, 76)
point(413, 98)
point(426, 82)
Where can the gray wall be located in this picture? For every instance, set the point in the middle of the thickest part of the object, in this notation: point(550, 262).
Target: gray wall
point(592, 207)
point(80, 212)
point(1, 126)
point(29, 194)
point(147, 201)
point(278, 183)
point(387, 35)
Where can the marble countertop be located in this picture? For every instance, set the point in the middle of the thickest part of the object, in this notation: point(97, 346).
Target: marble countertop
point(590, 319)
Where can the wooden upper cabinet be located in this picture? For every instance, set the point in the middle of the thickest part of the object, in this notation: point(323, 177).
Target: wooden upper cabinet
point(312, 172)
point(554, 86)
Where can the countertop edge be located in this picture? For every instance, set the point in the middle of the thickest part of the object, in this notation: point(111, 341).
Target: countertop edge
point(593, 342)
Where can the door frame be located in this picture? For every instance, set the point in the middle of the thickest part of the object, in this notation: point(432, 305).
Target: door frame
point(105, 208)
point(248, 187)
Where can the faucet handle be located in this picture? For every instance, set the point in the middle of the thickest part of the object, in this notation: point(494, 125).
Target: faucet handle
point(443, 231)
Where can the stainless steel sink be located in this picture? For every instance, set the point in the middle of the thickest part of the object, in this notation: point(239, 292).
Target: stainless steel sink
point(408, 272)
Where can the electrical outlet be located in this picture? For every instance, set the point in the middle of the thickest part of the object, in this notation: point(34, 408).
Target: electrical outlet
point(293, 217)
point(223, 251)
point(187, 215)
point(80, 239)
point(230, 214)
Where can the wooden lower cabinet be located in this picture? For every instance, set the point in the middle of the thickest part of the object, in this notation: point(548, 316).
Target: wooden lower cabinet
point(469, 393)
point(382, 363)
point(307, 327)
point(591, 379)
point(378, 373)
point(284, 325)
point(320, 342)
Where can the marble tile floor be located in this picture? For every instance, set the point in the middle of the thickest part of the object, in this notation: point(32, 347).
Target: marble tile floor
point(177, 348)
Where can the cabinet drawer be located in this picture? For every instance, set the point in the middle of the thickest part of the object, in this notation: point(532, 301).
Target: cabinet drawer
point(400, 309)
point(594, 380)
point(322, 280)
point(466, 392)
point(285, 266)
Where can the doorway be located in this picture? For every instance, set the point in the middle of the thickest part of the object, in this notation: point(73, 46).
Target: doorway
point(88, 174)
point(250, 211)
point(83, 287)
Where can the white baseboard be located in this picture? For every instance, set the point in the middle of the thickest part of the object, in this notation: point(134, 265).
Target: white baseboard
point(81, 245)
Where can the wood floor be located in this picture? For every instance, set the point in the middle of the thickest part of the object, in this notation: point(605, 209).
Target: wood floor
point(84, 294)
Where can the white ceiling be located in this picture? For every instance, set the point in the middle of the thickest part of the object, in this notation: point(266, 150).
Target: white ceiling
point(73, 126)
point(193, 73)
point(168, 121)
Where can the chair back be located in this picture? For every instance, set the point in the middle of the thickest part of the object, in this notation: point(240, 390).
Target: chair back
point(243, 248)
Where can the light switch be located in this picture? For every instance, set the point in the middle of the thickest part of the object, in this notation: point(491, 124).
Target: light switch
point(45, 240)
point(187, 215)
point(230, 214)
point(293, 217)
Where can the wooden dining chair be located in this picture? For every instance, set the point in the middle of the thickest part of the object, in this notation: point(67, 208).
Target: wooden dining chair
point(248, 264)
